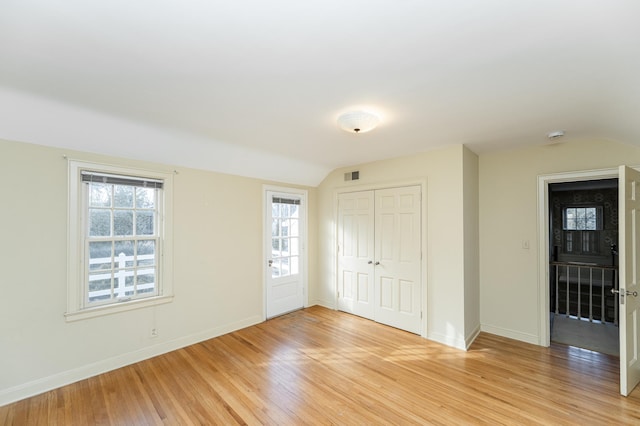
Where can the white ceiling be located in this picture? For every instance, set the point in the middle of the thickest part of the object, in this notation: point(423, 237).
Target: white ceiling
point(257, 85)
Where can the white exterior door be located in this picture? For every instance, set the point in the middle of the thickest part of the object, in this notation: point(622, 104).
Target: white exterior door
point(397, 257)
point(285, 240)
point(356, 253)
point(379, 256)
point(629, 300)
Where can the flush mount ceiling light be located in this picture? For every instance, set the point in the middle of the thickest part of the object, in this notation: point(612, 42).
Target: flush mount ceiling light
point(553, 136)
point(358, 121)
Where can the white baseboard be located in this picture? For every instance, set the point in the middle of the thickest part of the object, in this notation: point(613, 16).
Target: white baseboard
point(324, 304)
point(452, 341)
point(511, 334)
point(45, 384)
point(470, 338)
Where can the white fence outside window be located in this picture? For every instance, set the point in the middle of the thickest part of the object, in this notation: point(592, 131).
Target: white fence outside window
point(120, 289)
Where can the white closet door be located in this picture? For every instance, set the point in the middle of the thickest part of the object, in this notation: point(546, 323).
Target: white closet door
point(398, 257)
point(355, 253)
point(379, 256)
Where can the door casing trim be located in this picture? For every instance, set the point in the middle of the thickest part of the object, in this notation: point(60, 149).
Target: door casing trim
point(544, 337)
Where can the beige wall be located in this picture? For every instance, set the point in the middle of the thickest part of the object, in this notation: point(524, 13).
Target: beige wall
point(509, 296)
point(479, 210)
point(218, 263)
point(445, 172)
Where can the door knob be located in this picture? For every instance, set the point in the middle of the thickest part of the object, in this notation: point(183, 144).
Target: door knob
point(270, 263)
point(370, 262)
point(377, 263)
point(626, 292)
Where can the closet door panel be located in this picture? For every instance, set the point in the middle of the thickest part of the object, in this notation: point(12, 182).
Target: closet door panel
point(398, 257)
point(355, 253)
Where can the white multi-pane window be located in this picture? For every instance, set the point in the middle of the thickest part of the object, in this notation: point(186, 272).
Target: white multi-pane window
point(580, 225)
point(122, 237)
point(285, 237)
point(118, 222)
point(582, 218)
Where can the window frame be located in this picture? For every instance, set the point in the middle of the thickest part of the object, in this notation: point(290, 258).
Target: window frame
point(599, 216)
point(577, 236)
point(77, 264)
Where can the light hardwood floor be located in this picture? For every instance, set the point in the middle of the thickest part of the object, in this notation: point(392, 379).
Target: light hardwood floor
point(318, 366)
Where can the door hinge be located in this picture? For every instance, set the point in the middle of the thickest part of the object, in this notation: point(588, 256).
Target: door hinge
point(420, 314)
point(338, 295)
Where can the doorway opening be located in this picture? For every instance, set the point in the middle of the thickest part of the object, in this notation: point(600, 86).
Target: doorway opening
point(583, 264)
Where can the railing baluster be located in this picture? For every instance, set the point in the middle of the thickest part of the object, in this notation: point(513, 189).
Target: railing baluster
point(606, 279)
point(615, 303)
point(568, 294)
point(590, 294)
point(602, 301)
point(557, 268)
point(579, 296)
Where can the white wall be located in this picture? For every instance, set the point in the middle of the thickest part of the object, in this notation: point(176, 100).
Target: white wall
point(443, 171)
point(509, 304)
point(218, 263)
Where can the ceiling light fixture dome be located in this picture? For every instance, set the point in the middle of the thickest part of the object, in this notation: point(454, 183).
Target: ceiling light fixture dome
point(557, 134)
point(358, 121)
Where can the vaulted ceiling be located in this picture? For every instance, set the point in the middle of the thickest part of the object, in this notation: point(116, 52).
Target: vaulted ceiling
point(254, 87)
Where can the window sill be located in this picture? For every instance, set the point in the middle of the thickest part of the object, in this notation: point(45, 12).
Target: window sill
point(99, 311)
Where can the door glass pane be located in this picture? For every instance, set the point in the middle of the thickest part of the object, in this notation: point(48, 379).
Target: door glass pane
point(275, 247)
point(284, 267)
point(294, 265)
point(294, 230)
point(285, 225)
point(294, 244)
point(275, 268)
